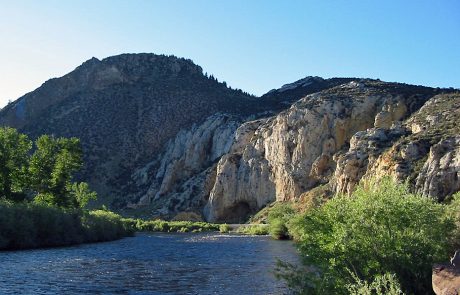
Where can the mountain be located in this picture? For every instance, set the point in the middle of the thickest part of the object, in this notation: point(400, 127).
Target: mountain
point(125, 109)
point(160, 137)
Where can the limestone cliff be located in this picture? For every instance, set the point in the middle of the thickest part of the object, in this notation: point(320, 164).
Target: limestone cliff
point(428, 156)
point(334, 138)
point(180, 178)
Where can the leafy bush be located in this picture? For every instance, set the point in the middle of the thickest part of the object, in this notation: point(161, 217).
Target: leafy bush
point(278, 217)
point(379, 229)
point(280, 211)
point(386, 284)
point(101, 225)
point(454, 212)
point(224, 228)
point(278, 229)
point(255, 230)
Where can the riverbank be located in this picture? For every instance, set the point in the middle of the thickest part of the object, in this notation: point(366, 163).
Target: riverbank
point(29, 225)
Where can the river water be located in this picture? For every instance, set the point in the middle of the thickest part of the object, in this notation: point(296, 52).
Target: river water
point(207, 263)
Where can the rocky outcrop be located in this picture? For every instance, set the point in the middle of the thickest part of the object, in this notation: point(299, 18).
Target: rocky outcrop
point(334, 137)
point(446, 279)
point(365, 150)
point(440, 175)
point(181, 177)
point(422, 149)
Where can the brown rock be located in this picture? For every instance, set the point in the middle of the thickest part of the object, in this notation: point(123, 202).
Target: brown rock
point(446, 279)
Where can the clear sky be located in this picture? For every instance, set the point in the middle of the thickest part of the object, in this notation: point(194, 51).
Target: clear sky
point(255, 45)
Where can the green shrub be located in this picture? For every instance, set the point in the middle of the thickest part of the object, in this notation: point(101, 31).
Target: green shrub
point(254, 230)
point(379, 229)
point(386, 284)
point(278, 229)
point(280, 211)
point(454, 212)
point(278, 217)
point(224, 228)
point(103, 225)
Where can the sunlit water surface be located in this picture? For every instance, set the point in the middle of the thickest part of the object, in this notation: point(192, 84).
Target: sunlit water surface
point(150, 264)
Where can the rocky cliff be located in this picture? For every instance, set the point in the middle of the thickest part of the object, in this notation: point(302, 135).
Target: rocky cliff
point(324, 143)
point(330, 140)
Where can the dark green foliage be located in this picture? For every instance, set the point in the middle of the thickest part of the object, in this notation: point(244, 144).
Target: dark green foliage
point(14, 151)
point(46, 175)
point(278, 217)
point(103, 225)
point(52, 166)
point(278, 230)
point(29, 225)
point(254, 229)
point(224, 228)
point(54, 218)
point(379, 229)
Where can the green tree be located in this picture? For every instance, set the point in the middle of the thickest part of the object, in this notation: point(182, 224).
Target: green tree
point(81, 194)
point(52, 167)
point(379, 229)
point(14, 153)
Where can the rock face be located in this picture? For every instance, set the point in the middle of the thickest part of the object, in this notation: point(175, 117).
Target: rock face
point(179, 178)
point(440, 175)
point(446, 279)
point(365, 149)
point(328, 138)
point(427, 155)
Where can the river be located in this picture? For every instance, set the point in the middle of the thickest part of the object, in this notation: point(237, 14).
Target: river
point(207, 263)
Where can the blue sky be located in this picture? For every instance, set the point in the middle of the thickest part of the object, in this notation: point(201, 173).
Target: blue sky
point(255, 45)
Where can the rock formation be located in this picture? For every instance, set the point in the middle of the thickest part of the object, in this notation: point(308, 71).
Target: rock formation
point(446, 279)
point(329, 138)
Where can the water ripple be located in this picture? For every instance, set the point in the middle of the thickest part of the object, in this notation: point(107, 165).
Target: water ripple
point(150, 264)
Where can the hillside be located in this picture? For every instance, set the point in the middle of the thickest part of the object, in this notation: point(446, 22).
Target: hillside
point(126, 108)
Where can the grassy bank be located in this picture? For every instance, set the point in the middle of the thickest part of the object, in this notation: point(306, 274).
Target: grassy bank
point(29, 225)
point(170, 226)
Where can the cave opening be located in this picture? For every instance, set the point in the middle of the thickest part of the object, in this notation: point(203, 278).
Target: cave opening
point(238, 213)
